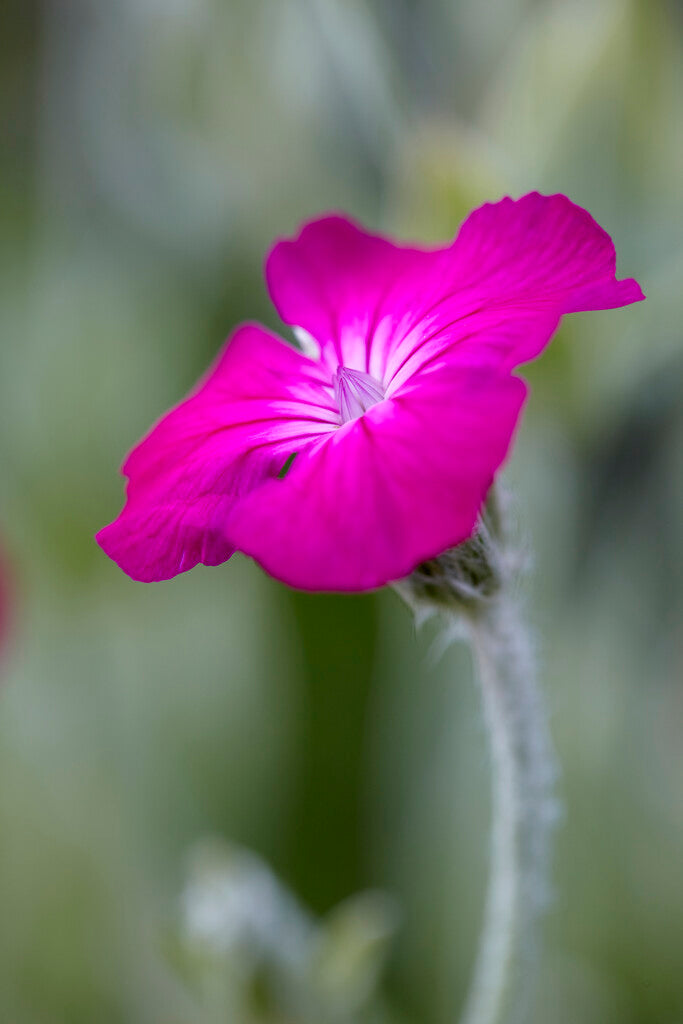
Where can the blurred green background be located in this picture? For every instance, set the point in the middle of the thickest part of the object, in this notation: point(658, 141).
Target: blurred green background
point(153, 149)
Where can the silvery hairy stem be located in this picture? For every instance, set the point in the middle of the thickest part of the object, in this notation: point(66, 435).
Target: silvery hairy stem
point(476, 582)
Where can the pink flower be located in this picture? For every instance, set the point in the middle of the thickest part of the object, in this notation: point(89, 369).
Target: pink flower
point(344, 466)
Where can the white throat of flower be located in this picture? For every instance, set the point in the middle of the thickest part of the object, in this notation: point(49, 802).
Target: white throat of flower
point(355, 392)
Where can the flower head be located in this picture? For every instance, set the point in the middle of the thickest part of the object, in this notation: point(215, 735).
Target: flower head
point(345, 465)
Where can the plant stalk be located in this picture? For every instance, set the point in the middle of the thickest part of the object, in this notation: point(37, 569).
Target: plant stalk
point(523, 812)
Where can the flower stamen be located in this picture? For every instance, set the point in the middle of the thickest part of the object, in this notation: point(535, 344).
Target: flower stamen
point(355, 392)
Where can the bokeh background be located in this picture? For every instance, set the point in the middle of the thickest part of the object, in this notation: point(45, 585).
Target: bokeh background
point(224, 801)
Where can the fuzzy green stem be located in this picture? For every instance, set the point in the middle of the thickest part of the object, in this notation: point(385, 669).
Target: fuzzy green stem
point(523, 811)
point(475, 584)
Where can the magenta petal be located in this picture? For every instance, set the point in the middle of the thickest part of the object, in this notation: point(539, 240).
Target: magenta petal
point(156, 542)
point(261, 401)
point(542, 247)
point(401, 484)
point(497, 292)
point(347, 288)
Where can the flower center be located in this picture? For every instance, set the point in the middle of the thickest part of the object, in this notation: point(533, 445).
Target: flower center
point(355, 392)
